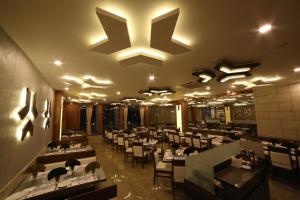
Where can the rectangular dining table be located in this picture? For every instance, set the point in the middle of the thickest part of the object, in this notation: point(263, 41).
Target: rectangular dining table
point(68, 186)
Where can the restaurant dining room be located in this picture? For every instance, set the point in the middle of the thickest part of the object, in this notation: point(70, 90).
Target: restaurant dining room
point(149, 100)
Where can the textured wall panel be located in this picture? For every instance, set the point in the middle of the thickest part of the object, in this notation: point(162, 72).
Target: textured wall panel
point(17, 73)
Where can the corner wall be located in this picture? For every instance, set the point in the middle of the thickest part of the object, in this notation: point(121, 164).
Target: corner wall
point(278, 111)
point(17, 73)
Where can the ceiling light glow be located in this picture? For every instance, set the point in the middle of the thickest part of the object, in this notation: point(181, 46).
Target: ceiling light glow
point(265, 28)
point(57, 62)
point(141, 51)
point(231, 71)
point(297, 69)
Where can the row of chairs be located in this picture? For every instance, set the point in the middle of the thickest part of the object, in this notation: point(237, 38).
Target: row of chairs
point(189, 140)
point(136, 151)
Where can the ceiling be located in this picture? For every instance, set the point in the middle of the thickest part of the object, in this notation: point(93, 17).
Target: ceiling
point(213, 30)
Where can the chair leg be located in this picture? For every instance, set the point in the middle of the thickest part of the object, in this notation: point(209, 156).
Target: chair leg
point(154, 178)
point(132, 161)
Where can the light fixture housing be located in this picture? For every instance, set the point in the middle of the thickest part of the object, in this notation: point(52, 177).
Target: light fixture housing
point(229, 68)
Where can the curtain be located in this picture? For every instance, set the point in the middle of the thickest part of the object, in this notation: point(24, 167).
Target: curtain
point(142, 114)
point(89, 110)
point(125, 116)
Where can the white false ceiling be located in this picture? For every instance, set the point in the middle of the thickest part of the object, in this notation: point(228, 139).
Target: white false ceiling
point(213, 30)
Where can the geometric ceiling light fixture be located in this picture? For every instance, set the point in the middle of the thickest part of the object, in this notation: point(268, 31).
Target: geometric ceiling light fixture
point(87, 82)
point(197, 94)
point(162, 29)
point(227, 77)
point(162, 91)
point(132, 99)
point(232, 69)
point(116, 31)
point(141, 55)
point(140, 59)
point(204, 75)
point(92, 95)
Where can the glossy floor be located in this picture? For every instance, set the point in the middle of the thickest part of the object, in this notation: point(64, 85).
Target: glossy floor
point(137, 183)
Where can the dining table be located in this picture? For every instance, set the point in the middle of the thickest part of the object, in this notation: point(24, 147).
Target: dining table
point(64, 155)
point(40, 188)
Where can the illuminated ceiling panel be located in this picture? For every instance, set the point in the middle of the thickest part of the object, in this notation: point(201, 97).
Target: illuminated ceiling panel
point(115, 28)
point(162, 29)
point(141, 59)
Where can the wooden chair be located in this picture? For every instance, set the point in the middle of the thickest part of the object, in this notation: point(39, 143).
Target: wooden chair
point(171, 138)
point(176, 138)
point(120, 140)
point(188, 139)
point(105, 193)
point(281, 158)
point(178, 169)
point(161, 169)
point(105, 136)
point(128, 152)
point(110, 137)
point(139, 153)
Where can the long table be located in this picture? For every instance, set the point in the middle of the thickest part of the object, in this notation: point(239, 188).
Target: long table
point(60, 156)
point(42, 189)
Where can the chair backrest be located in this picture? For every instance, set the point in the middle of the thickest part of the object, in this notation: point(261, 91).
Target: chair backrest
point(105, 193)
point(110, 135)
point(155, 134)
point(105, 134)
point(176, 138)
point(156, 158)
point(126, 143)
point(171, 136)
point(178, 167)
point(120, 139)
point(196, 141)
point(137, 148)
point(280, 157)
point(188, 139)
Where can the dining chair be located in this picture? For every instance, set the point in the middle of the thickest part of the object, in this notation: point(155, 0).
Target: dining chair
point(108, 192)
point(281, 158)
point(128, 152)
point(171, 137)
point(105, 136)
point(161, 169)
point(178, 169)
point(196, 142)
point(139, 153)
point(110, 137)
point(115, 140)
point(176, 138)
point(120, 140)
point(188, 139)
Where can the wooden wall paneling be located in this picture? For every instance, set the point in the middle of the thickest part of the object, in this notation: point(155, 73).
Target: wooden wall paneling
point(121, 121)
point(58, 95)
point(100, 118)
point(184, 114)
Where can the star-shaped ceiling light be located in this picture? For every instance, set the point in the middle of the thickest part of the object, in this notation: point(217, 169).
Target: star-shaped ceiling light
point(204, 75)
point(157, 90)
point(162, 29)
point(116, 30)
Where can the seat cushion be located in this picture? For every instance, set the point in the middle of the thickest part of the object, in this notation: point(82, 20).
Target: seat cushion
point(129, 150)
point(166, 167)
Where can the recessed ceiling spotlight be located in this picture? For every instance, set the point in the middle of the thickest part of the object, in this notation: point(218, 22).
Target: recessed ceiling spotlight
point(57, 62)
point(118, 93)
point(104, 99)
point(151, 77)
point(297, 69)
point(265, 28)
point(66, 88)
point(228, 92)
point(208, 88)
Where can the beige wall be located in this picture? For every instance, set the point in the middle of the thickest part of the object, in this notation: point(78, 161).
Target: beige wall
point(17, 73)
point(278, 111)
